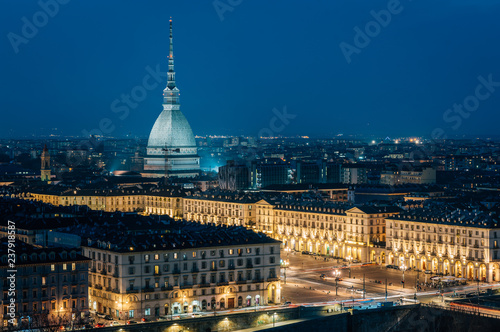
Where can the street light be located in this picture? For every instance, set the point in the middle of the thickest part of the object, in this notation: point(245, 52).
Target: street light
point(336, 274)
point(403, 267)
point(349, 258)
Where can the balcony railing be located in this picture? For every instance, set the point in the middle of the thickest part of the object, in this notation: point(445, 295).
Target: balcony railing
point(97, 286)
point(132, 290)
point(273, 279)
point(165, 288)
point(148, 289)
point(223, 283)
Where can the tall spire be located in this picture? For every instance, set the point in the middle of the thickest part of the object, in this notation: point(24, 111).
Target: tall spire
point(171, 93)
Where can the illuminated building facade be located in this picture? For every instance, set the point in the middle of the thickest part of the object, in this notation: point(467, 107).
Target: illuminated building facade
point(454, 242)
point(356, 233)
point(199, 268)
point(51, 285)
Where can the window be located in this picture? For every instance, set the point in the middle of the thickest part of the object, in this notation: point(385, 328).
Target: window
point(157, 257)
point(146, 258)
point(131, 270)
point(52, 267)
point(73, 266)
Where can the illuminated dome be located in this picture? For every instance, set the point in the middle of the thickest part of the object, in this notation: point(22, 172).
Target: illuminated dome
point(171, 130)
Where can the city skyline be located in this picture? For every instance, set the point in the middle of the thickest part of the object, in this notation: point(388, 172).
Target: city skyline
point(239, 67)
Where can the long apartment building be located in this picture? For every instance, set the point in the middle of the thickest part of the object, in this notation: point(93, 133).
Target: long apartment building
point(443, 239)
point(187, 267)
point(51, 286)
point(149, 201)
point(227, 209)
point(365, 233)
point(338, 230)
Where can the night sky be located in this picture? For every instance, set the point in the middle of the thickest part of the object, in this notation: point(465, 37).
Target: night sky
point(237, 62)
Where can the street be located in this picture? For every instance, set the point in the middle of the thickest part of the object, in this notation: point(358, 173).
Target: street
point(301, 281)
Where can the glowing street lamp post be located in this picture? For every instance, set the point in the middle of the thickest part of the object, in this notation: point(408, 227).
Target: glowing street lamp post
point(349, 258)
point(403, 267)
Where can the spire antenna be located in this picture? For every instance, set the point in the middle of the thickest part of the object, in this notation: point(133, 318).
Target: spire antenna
point(171, 92)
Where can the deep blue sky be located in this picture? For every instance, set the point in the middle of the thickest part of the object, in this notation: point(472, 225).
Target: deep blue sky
point(262, 55)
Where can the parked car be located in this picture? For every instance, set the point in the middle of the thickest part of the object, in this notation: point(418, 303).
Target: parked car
point(195, 314)
point(115, 323)
point(428, 272)
point(145, 320)
point(98, 325)
point(361, 291)
point(130, 322)
point(338, 279)
point(287, 303)
point(108, 317)
point(355, 261)
point(322, 276)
